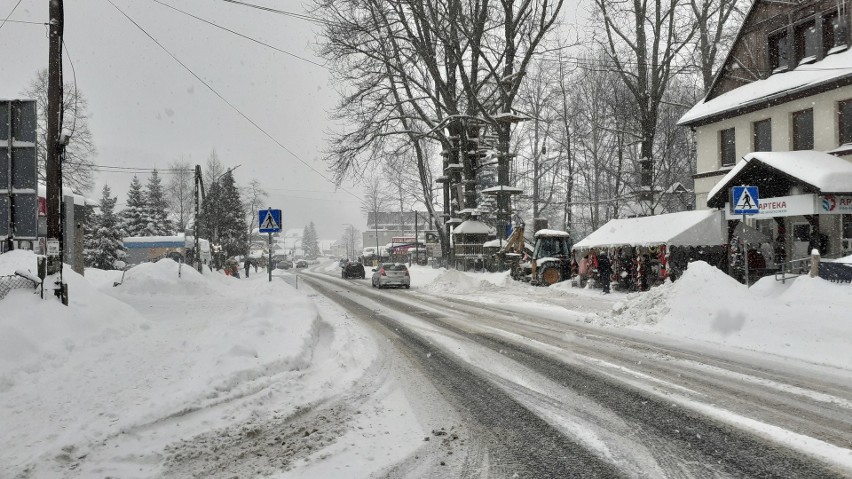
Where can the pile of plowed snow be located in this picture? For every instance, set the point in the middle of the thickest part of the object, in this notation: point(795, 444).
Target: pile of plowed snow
point(458, 282)
point(808, 318)
point(37, 333)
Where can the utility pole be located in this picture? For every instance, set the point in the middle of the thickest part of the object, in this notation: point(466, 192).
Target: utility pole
point(53, 168)
point(198, 266)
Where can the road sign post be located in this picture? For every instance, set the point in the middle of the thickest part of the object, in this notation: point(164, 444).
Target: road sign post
point(745, 201)
point(270, 222)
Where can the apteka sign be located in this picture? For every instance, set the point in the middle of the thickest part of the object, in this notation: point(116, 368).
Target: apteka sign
point(780, 206)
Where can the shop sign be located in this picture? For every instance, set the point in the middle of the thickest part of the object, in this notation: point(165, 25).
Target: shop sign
point(779, 206)
point(835, 204)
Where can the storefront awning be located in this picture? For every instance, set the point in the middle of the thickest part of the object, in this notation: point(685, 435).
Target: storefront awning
point(775, 173)
point(687, 228)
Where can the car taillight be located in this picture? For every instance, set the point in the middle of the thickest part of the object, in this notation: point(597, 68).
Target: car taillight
point(382, 272)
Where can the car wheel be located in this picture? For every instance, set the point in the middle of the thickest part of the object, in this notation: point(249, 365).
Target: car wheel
point(407, 286)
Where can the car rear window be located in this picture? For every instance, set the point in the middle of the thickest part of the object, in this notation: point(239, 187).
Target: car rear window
point(395, 267)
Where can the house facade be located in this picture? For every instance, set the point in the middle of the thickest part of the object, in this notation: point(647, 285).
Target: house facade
point(779, 116)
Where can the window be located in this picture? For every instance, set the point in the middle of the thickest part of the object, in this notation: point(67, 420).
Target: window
point(803, 130)
point(844, 121)
point(779, 51)
point(762, 135)
point(807, 43)
point(833, 35)
point(727, 147)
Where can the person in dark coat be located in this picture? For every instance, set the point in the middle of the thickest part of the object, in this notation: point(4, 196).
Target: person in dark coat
point(604, 271)
point(247, 266)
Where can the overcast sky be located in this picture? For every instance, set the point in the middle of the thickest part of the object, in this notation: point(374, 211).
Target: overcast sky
point(146, 110)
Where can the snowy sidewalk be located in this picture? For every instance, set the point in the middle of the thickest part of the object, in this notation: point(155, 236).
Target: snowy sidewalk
point(152, 361)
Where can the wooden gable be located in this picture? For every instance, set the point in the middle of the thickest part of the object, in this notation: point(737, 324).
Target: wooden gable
point(748, 60)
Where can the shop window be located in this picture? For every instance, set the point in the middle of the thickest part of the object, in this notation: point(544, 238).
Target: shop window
point(762, 135)
point(779, 51)
point(833, 33)
point(847, 226)
point(727, 147)
point(844, 121)
point(803, 130)
point(807, 43)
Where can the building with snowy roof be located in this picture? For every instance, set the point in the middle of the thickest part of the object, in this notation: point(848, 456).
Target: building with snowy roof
point(778, 116)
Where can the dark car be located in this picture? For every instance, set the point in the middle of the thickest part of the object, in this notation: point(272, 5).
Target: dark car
point(301, 264)
point(353, 269)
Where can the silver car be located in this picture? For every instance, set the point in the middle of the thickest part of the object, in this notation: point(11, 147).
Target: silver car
point(391, 274)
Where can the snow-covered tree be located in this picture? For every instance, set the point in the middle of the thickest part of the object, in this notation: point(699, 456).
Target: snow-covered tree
point(134, 217)
point(157, 207)
point(310, 241)
point(104, 243)
point(223, 217)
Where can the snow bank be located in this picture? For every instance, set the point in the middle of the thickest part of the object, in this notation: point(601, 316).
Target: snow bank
point(118, 360)
point(38, 334)
point(808, 318)
point(458, 282)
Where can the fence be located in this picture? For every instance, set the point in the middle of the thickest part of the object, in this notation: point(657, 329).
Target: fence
point(15, 281)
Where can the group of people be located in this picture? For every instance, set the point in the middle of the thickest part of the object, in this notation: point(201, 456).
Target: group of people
point(632, 272)
point(232, 267)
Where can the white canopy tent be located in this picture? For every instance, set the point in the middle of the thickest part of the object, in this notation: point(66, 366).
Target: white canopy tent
point(687, 228)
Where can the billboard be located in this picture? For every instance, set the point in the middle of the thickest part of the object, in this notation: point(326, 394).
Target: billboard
point(18, 170)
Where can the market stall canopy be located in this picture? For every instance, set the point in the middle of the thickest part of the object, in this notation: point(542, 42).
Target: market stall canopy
point(775, 172)
point(687, 228)
point(750, 235)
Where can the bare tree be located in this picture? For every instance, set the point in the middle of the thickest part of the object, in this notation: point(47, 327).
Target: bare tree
point(375, 201)
point(213, 170)
point(180, 192)
point(77, 168)
point(644, 40)
point(255, 199)
point(717, 21)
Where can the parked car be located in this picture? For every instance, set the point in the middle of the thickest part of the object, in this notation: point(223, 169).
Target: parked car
point(283, 264)
point(353, 269)
point(301, 264)
point(391, 274)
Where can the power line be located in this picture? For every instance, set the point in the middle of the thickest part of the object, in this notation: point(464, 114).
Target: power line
point(233, 107)
point(241, 35)
point(299, 16)
point(25, 21)
point(10, 14)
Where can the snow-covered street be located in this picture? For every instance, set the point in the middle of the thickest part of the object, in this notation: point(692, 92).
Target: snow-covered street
point(465, 375)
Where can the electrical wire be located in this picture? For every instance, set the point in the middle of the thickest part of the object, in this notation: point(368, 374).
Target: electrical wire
point(10, 14)
point(241, 35)
point(225, 100)
point(25, 22)
point(299, 16)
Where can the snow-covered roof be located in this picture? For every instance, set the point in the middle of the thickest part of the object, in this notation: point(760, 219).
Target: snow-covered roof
point(495, 243)
point(825, 172)
point(552, 233)
point(776, 87)
point(686, 228)
point(473, 227)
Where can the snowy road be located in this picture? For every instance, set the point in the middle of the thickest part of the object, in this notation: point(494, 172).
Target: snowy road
point(539, 396)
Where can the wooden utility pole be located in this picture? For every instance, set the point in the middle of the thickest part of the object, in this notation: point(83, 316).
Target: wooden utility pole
point(53, 167)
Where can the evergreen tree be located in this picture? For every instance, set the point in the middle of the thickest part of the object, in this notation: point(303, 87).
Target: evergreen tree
point(104, 244)
point(134, 217)
point(223, 218)
point(310, 241)
point(157, 207)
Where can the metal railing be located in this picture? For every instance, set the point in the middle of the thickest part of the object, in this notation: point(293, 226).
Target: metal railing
point(801, 266)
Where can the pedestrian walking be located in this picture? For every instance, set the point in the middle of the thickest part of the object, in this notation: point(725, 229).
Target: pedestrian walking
point(247, 266)
point(604, 271)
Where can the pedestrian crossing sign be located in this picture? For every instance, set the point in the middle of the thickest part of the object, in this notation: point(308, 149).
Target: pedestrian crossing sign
point(269, 221)
point(745, 200)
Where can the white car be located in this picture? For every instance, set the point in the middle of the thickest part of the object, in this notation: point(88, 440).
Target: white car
point(391, 274)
